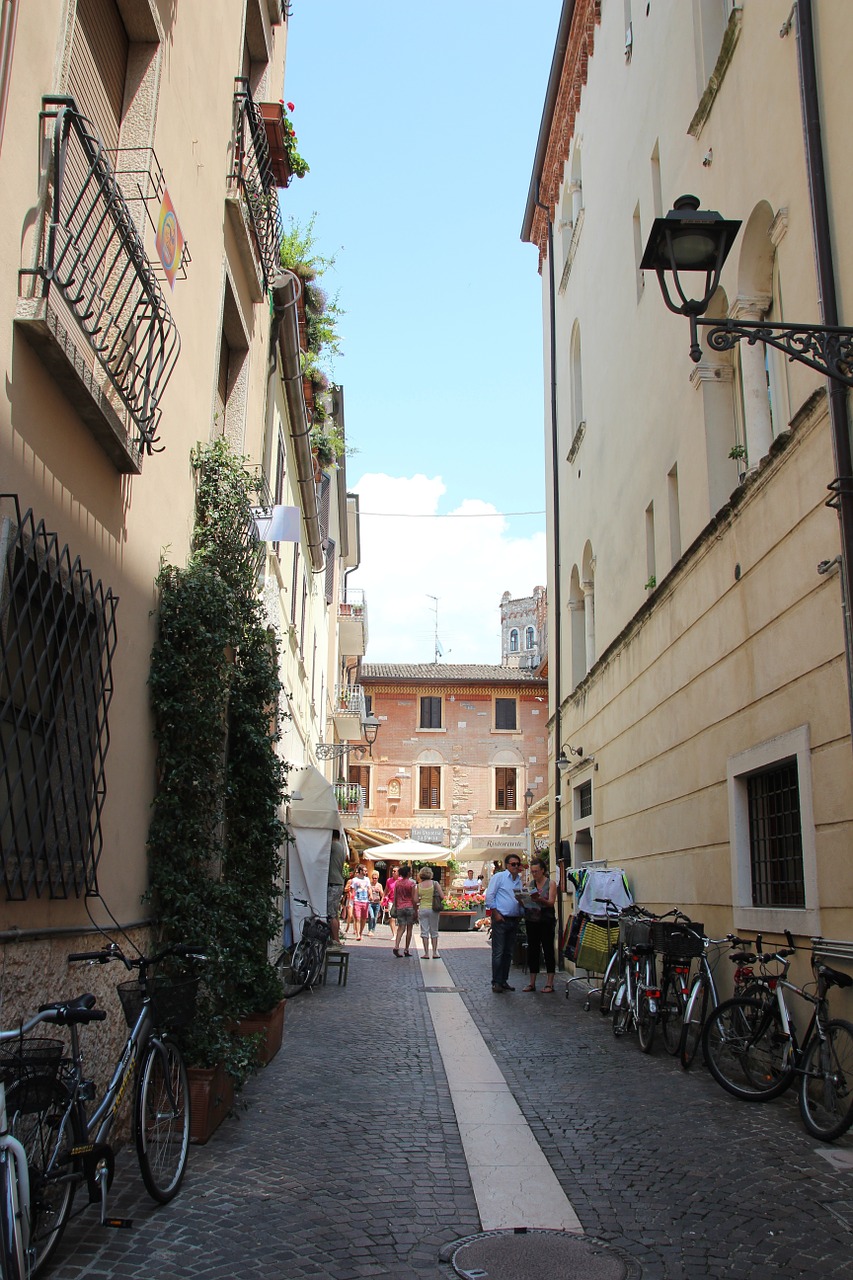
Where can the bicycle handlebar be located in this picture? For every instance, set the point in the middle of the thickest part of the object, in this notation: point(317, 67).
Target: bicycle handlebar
point(114, 952)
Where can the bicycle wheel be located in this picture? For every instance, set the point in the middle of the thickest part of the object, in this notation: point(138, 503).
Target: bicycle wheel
point(162, 1119)
point(12, 1261)
point(693, 1021)
point(609, 983)
point(826, 1085)
point(673, 999)
point(53, 1174)
point(300, 962)
point(318, 955)
point(620, 1010)
point(747, 1050)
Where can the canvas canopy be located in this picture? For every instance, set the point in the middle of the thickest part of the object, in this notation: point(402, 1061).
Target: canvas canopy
point(411, 851)
point(312, 820)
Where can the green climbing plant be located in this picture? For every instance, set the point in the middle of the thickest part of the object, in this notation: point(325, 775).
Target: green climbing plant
point(215, 834)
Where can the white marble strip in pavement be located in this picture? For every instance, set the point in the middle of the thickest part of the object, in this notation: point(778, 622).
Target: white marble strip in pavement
point(513, 1182)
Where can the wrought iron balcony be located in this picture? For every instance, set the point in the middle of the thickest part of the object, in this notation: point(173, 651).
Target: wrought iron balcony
point(349, 712)
point(94, 281)
point(252, 191)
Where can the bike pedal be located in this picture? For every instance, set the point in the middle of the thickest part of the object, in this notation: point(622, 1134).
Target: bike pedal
point(123, 1224)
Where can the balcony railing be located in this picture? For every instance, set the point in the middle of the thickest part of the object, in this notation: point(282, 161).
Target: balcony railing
point(350, 798)
point(253, 179)
point(93, 255)
point(352, 623)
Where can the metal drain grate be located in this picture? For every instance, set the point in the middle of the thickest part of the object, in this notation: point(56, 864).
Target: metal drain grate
point(529, 1254)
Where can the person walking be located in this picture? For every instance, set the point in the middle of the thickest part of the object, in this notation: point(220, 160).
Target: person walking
point(540, 922)
point(360, 900)
point(374, 905)
point(406, 906)
point(506, 917)
point(347, 911)
point(335, 890)
point(430, 899)
point(388, 900)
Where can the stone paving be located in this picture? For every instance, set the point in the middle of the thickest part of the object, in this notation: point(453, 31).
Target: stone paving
point(345, 1160)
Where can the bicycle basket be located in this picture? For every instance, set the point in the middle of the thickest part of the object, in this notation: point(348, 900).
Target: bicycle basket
point(678, 940)
point(316, 928)
point(28, 1068)
point(173, 1001)
point(634, 932)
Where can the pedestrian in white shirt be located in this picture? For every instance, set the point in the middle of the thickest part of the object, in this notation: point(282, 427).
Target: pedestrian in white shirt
point(506, 916)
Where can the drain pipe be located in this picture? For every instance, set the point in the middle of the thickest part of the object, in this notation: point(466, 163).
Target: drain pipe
point(557, 610)
point(284, 296)
point(842, 486)
point(8, 26)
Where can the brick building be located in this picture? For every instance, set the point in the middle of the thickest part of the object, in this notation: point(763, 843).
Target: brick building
point(460, 747)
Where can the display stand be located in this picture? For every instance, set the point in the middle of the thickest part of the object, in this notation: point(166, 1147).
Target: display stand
point(593, 930)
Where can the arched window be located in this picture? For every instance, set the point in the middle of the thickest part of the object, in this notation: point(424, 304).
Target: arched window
point(530, 638)
point(762, 380)
point(513, 640)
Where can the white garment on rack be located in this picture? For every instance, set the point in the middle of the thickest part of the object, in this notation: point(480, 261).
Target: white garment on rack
point(604, 883)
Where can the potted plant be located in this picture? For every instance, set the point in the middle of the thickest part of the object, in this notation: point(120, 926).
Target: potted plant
point(282, 145)
point(458, 914)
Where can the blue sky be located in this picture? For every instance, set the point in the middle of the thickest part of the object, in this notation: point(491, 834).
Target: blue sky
point(420, 123)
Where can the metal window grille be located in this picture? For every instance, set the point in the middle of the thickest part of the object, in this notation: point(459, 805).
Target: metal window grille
point(57, 639)
point(95, 258)
point(505, 713)
point(585, 800)
point(775, 837)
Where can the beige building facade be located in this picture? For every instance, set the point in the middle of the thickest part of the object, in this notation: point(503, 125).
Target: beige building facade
point(698, 679)
point(143, 166)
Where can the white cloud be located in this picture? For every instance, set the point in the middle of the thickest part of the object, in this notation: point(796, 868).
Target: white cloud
point(468, 563)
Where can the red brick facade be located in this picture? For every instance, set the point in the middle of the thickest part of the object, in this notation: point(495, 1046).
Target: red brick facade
point(465, 775)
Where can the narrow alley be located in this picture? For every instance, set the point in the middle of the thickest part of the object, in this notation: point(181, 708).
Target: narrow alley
point(383, 1133)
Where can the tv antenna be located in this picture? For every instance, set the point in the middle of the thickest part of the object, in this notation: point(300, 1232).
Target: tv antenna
point(439, 652)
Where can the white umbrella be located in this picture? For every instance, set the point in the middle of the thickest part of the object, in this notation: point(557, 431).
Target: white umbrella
point(409, 850)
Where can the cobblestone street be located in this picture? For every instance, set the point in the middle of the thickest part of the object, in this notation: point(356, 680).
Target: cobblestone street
point(345, 1159)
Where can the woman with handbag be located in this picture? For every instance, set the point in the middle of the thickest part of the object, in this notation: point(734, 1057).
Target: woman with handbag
point(430, 902)
point(388, 900)
point(541, 921)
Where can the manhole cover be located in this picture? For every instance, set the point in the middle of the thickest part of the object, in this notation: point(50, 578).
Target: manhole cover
point(531, 1254)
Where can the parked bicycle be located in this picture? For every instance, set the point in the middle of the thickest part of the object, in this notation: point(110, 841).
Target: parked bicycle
point(678, 942)
point(754, 1051)
point(48, 1111)
point(309, 954)
point(637, 997)
point(704, 996)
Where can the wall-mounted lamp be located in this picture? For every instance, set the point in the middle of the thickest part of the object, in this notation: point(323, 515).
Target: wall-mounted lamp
point(335, 750)
point(528, 797)
point(563, 761)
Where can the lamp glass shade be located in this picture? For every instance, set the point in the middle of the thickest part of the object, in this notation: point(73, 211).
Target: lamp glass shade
point(370, 728)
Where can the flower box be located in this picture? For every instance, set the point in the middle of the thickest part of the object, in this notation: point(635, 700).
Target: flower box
point(271, 1025)
point(455, 921)
point(272, 114)
point(211, 1098)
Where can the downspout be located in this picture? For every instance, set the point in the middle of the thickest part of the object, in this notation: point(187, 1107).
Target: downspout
point(8, 26)
point(557, 611)
point(284, 296)
point(842, 487)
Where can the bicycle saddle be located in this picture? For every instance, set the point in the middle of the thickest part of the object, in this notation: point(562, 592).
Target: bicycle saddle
point(80, 1010)
point(833, 977)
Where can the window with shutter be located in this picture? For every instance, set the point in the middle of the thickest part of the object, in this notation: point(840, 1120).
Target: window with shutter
point(430, 787)
point(98, 67)
point(359, 775)
point(323, 505)
point(505, 713)
point(430, 713)
point(330, 571)
point(505, 789)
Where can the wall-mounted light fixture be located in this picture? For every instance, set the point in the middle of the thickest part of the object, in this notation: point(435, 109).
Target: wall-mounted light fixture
point(563, 761)
point(335, 750)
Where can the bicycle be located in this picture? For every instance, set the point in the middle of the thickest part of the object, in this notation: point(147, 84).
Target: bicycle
point(65, 1145)
point(306, 963)
point(28, 1070)
point(679, 942)
point(704, 994)
point(637, 998)
point(753, 1050)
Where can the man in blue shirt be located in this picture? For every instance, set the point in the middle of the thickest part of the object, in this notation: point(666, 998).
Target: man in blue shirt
point(506, 917)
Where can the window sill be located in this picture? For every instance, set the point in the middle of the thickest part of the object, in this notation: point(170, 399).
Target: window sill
point(431, 731)
point(727, 48)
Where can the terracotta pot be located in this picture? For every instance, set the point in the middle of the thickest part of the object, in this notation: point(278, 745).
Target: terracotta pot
point(211, 1098)
point(271, 1025)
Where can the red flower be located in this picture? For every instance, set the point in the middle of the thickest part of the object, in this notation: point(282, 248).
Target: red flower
point(291, 107)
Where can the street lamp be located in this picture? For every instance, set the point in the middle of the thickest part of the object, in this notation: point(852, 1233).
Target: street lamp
point(335, 750)
point(694, 240)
